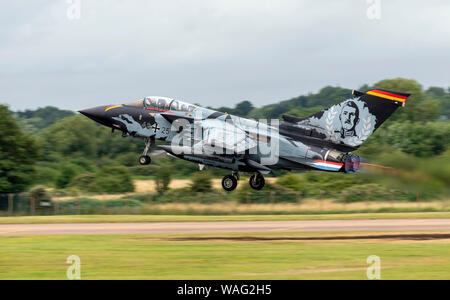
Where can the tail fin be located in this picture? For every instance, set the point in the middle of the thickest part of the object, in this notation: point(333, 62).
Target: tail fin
point(352, 121)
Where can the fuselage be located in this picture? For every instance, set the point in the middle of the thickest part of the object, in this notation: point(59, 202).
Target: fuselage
point(247, 142)
point(322, 141)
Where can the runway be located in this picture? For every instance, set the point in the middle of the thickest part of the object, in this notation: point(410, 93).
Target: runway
point(225, 227)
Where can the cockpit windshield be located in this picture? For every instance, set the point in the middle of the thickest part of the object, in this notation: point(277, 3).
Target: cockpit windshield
point(163, 103)
point(182, 106)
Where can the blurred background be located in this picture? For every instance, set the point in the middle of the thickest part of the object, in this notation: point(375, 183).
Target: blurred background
point(257, 59)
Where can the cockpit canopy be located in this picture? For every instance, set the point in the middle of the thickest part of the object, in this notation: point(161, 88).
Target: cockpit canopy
point(163, 103)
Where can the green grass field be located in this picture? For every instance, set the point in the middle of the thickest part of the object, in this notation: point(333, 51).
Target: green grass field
point(155, 257)
point(189, 218)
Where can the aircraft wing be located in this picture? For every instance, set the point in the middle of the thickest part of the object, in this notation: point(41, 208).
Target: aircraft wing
point(224, 135)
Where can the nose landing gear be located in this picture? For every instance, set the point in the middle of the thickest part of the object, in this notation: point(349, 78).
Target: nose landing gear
point(144, 159)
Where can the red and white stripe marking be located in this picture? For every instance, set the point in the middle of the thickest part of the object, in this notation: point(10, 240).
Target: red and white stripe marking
point(327, 165)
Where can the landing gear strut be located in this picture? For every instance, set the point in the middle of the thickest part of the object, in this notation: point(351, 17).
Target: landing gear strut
point(257, 181)
point(144, 159)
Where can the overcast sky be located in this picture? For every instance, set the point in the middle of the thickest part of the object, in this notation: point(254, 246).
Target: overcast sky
point(213, 52)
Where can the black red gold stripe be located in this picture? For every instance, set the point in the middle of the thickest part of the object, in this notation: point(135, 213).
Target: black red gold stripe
point(387, 95)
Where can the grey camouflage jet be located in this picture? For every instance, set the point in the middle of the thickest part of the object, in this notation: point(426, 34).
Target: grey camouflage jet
point(323, 141)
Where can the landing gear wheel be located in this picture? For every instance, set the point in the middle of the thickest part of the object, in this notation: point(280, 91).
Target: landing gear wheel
point(257, 181)
point(229, 183)
point(145, 160)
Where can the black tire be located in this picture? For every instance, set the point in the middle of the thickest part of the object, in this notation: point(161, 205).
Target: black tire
point(257, 182)
point(144, 160)
point(229, 183)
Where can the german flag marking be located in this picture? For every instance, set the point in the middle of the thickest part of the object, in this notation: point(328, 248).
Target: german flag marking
point(387, 95)
point(114, 106)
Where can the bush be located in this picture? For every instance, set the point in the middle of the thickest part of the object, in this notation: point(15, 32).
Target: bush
point(142, 170)
point(374, 192)
point(162, 179)
point(267, 196)
point(127, 159)
point(122, 203)
point(113, 180)
point(39, 194)
point(187, 196)
point(83, 164)
point(88, 205)
point(270, 194)
point(321, 184)
point(84, 182)
point(83, 205)
point(292, 181)
point(145, 198)
point(201, 182)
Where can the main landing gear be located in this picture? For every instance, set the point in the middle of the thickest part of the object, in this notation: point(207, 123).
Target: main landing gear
point(144, 159)
point(229, 182)
point(257, 181)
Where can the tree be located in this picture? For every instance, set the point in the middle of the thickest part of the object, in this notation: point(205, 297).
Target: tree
point(440, 94)
point(71, 137)
point(18, 153)
point(422, 140)
point(84, 182)
point(243, 108)
point(435, 91)
point(66, 176)
point(411, 111)
point(41, 118)
point(402, 85)
point(326, 97)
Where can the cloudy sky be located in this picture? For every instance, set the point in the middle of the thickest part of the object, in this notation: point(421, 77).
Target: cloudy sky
point(213, 52)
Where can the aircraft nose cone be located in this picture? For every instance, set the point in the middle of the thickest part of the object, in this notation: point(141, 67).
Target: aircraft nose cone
point(97, 114)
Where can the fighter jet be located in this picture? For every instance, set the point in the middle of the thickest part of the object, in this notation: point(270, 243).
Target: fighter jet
point(323, 141)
